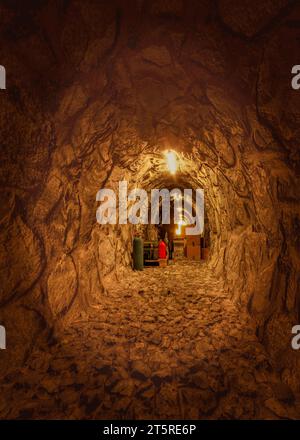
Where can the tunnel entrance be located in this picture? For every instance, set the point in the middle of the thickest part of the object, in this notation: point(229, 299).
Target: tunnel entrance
point(171, 241)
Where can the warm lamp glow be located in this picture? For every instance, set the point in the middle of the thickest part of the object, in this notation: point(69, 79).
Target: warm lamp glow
point(171, 159)
point(179, 226)
point(178, 230)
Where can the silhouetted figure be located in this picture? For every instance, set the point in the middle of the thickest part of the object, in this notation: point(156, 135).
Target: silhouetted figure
point(171, 249)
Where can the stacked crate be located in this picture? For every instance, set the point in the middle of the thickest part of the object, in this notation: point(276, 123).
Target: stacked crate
point(193, 248)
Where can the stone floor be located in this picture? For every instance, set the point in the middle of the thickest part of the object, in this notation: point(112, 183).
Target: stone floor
point(166, 343)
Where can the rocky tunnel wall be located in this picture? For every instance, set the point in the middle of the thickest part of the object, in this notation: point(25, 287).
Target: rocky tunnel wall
point(95, 92)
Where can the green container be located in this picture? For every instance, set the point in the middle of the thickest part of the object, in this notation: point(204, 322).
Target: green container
point(138, 254)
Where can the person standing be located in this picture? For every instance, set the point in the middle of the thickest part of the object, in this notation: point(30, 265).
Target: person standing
point(162, 250)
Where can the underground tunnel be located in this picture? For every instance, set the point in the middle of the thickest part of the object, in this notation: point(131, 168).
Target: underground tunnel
point(99, 93)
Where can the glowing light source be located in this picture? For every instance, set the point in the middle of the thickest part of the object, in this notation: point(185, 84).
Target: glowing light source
point(178, 230)
point(172, 162)
point(179, 226)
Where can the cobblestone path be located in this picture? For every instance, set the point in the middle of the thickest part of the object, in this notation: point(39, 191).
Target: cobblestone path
point(166, 343)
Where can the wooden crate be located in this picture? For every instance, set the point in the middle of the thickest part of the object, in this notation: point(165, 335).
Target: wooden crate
point(193, 252)
point(193, 240)
point(193, 248)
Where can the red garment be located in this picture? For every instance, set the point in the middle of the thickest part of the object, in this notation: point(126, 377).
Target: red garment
point(162, 250)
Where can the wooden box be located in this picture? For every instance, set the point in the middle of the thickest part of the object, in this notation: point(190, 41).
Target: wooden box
point(193, 252)
point(193, 240)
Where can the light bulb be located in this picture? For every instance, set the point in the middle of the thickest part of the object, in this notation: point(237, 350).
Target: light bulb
point(171, 159)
